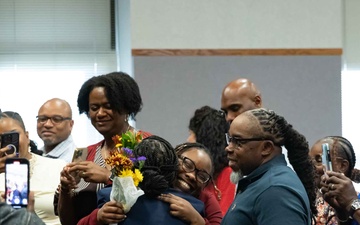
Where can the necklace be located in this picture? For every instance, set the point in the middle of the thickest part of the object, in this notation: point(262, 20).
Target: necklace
point(32, 163)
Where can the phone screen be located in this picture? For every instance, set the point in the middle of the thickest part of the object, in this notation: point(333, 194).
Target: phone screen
point(17, 182)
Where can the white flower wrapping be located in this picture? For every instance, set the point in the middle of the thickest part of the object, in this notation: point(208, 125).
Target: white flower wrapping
point(125, 192)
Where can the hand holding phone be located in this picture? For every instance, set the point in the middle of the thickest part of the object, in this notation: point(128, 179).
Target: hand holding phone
point(11, 140)
point(80, 154)
point(17, 183)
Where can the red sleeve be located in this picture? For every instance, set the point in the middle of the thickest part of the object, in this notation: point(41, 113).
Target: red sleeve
point(90, 219)
point(145, 134)
point(227, 189)
point(92, 151)
point(213, 214)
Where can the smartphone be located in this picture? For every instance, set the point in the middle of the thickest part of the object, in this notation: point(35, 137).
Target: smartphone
point(326, 160)
point(10, 139)
point(80, 154)
point(17, 183)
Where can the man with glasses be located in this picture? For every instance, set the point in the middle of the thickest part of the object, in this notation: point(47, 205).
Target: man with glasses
point(270, 192)
point(54, 126)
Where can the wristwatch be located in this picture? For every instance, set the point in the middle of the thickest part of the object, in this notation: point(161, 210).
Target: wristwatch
point(111, 177)
point(355, 205)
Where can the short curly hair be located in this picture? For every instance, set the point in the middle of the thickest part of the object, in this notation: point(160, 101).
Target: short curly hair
point(121, 90)
point(209, 126)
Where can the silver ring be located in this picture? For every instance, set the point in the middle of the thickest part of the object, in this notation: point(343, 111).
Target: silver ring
point(12, 147)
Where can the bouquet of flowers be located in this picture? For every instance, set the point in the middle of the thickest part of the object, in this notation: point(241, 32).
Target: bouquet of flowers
point(126, 179)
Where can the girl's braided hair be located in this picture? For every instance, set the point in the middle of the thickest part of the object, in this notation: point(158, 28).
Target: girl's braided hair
point(160, 167)
point(344, 149)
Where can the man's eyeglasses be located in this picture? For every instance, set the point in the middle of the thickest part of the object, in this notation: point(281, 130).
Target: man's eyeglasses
point(189, 166)
point(241, 141)
point(54, 119)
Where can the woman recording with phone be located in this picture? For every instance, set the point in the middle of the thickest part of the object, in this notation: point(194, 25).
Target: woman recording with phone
point(44, 172)
point(342, 158)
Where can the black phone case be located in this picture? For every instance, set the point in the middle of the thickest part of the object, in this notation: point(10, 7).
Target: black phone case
point(12, 139)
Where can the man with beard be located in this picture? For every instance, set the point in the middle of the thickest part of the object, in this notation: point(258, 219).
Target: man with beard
point(270, 192)
point(54, 126)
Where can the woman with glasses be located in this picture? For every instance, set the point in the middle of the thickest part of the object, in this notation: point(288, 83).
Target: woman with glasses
point(159, 170)
point(195, 169)
point(342, 158)
point(44, 172)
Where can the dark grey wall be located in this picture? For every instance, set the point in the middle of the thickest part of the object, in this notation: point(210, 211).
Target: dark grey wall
point(306, 90)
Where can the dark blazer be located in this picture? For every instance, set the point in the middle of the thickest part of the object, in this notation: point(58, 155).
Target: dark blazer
point(10, 216)
point(151, 211)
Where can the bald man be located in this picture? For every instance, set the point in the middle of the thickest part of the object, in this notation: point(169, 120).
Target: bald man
point(54, 126)
point(239, 96)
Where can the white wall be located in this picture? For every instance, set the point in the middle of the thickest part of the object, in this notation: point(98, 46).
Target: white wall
point(351, 75)
point(162, 24)
point(352, 35)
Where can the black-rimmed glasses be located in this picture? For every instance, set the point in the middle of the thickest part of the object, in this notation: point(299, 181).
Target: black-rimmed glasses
point(54, 119)
point(241, 141)
point(189, 166)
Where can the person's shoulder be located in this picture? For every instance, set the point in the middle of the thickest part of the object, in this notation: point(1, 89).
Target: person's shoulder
point(4, 209)
point(42, 160)
point(103, 196)
point(226, 171)
point(184, 195)
point(105, 191)
point(20, 216)
point(198, 205)
point(145, 134)
point(206, 195)
point(95, 145)
point(281, 171)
